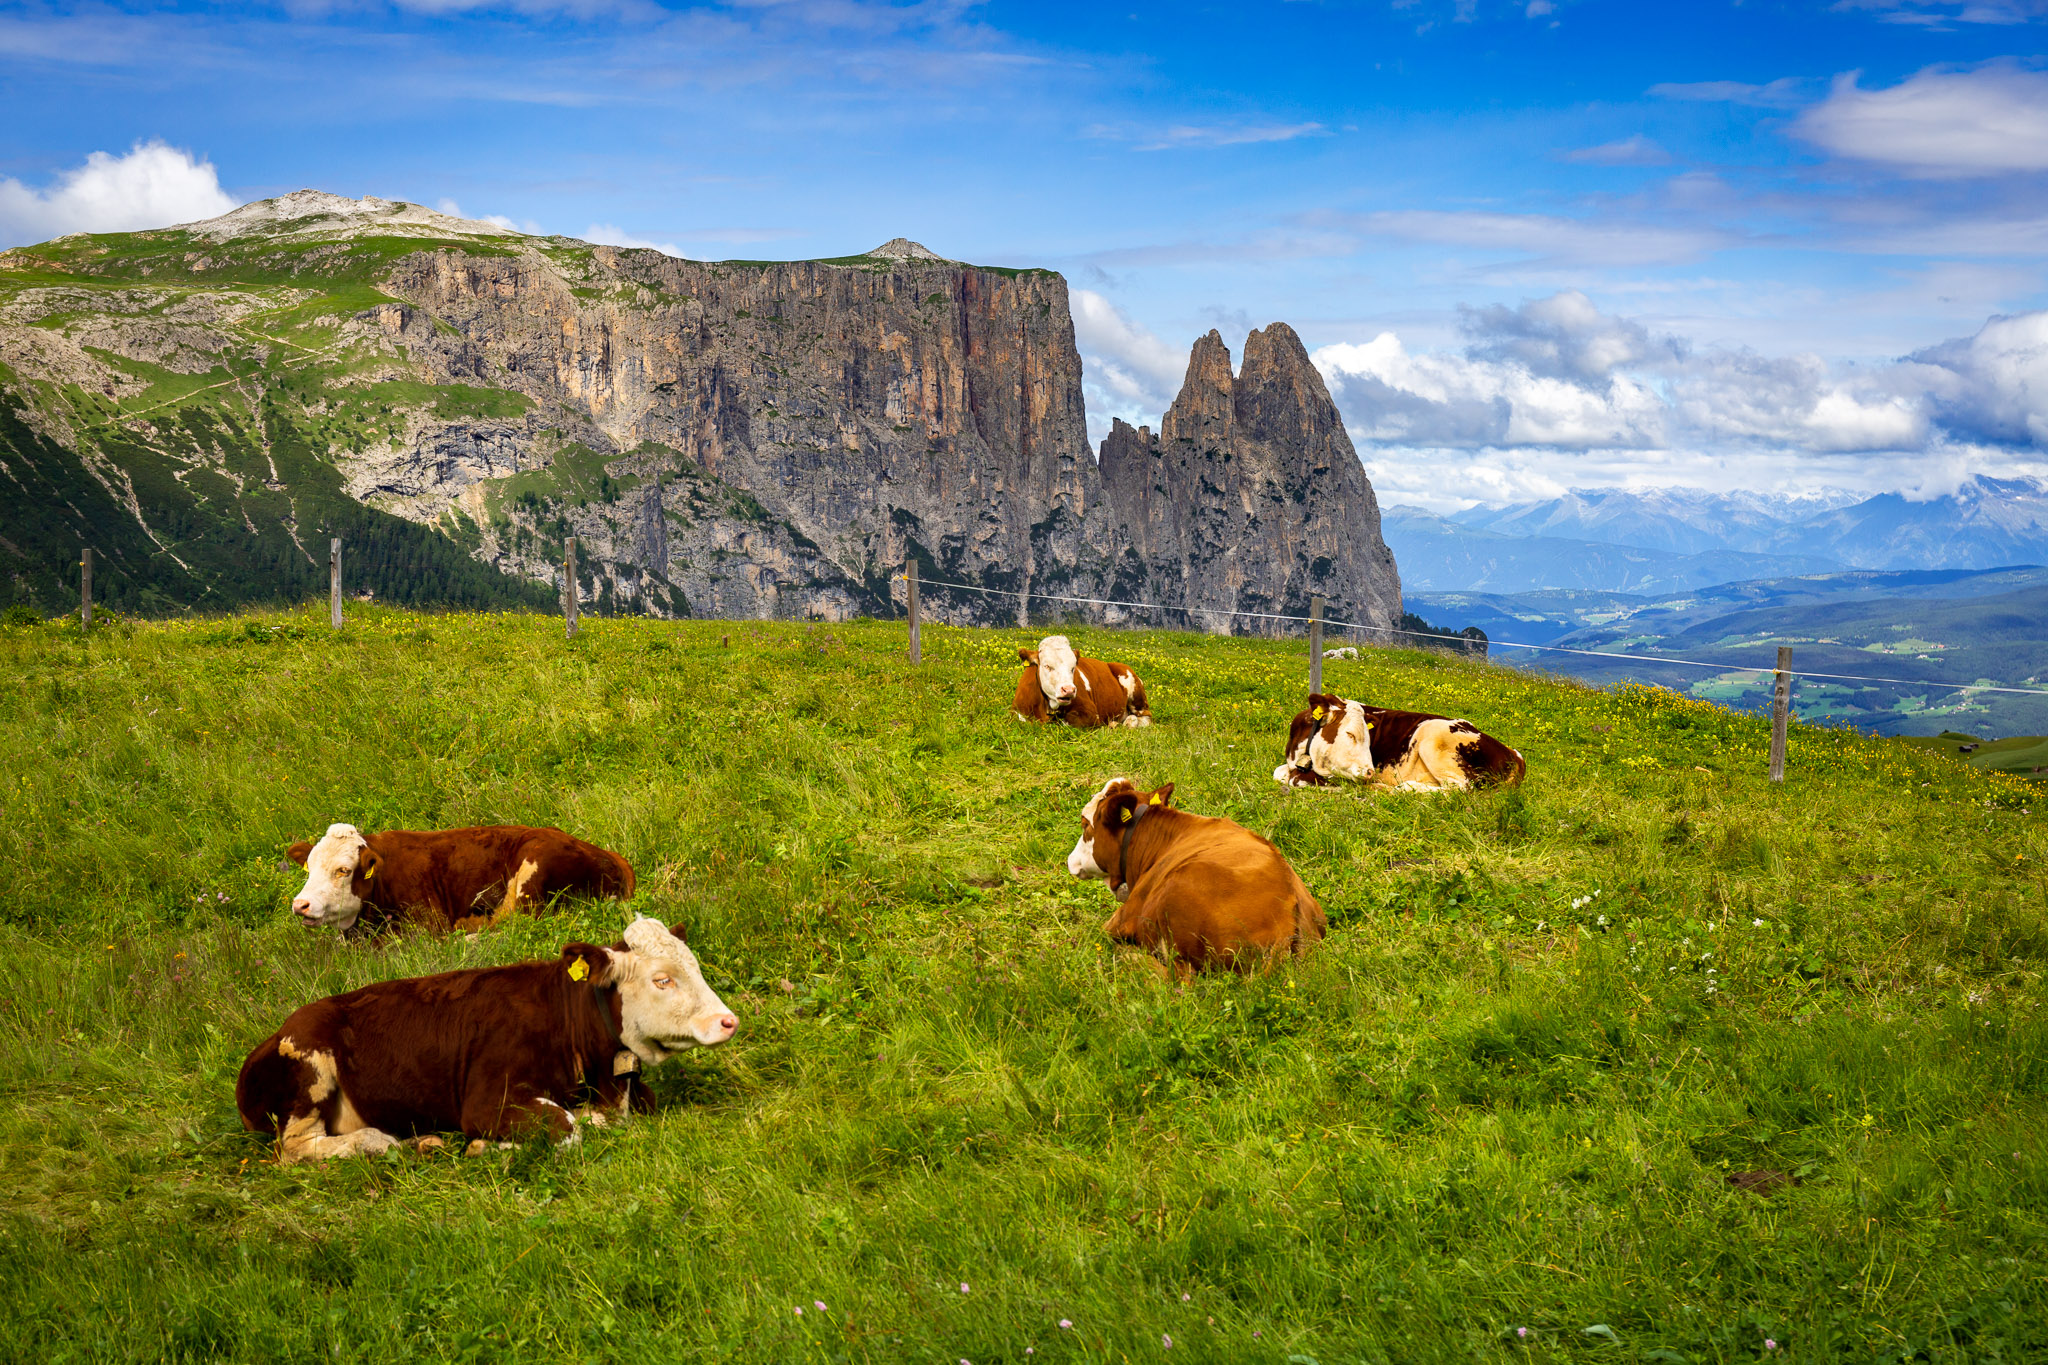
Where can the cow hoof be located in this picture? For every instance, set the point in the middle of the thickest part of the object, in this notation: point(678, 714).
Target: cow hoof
point(426, 1145)
point(477, 1147)
point(373, 1143)
point(471, 938)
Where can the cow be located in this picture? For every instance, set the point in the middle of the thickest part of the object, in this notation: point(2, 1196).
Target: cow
point(1062, 686)
point(1336, 738)
point(495, 1053)
point(1197, 892)
point(447, 878)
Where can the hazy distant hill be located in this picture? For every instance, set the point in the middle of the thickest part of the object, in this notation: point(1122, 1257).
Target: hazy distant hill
point(1836, 625)
point(1439, 555)
point(1547, 614)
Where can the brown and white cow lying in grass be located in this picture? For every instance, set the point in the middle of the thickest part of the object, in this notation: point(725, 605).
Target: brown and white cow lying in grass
point(493, 1053)
point(1198, 892)
point(1337, 739)
point(1061, 685)
point(447, 878)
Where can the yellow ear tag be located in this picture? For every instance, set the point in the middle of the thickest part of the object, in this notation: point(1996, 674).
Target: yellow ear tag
point(1127, 815)
point(371, 873)
point(578, 969)
point(1154, 801)
point(1316, 714)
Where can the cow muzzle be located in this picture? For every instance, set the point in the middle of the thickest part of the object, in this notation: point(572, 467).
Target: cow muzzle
point(706, 1031)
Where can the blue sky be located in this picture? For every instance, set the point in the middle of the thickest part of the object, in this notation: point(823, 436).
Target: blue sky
point(1532, 245)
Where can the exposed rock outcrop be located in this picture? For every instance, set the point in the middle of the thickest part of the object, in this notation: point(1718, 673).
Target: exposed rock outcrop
point(1250, 497)
point(897, 407)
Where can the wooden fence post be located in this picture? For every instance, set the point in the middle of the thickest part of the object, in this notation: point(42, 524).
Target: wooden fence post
point(1315, 643)
point(1781, 696)
point(334, 582)
point(85, 589)
point(916, 644)
point(569, 588)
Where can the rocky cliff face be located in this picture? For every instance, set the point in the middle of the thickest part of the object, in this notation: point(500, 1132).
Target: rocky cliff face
point(1250, 496)
point(887, 408)
point(724, 439)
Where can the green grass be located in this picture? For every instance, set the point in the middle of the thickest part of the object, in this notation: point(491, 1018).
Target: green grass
point(1491, 1100)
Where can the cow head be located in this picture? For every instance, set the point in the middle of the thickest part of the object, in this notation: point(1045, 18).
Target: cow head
point(1056, 663)
point(339, 870)
point(1103, 821)
point(1330, 739)
point(664, 1005)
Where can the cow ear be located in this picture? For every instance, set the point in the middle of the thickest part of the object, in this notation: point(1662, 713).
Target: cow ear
point(299, 852)
point(677, 930)
point(1161, 797)
point(587, 962)
point(368, 860)
point(1029, 656)
point(1118, 811)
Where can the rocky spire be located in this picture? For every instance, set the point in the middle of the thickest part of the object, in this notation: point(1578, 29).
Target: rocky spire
point(1251, 497)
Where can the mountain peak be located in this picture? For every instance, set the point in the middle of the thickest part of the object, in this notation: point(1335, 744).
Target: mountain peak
point(903, 249)
point(316, 213)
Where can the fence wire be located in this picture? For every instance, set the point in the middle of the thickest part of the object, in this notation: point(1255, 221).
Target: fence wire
point(1328, 623)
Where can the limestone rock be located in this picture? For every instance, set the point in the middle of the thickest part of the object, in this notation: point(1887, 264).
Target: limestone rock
point(1251, 497)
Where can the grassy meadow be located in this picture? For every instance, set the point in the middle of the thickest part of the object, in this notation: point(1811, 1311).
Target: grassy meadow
point(1493, 1117)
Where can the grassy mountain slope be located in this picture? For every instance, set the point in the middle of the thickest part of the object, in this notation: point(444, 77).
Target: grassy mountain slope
point(1506, 1094)
point(206, 476)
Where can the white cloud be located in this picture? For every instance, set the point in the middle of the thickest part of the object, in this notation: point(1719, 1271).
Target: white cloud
point(1942, 13)
point(1993, 386)
point(1564, 336)
point(1557, 374)
point(1126, 371)
point(1549, 238)
point(1782, 93)
point(1630, 151)
point(155, 185)
point(454, 210)
point(607, 234)
point(1186, 135)
point(1390, 395)
point(1739, 398)
point(1939, 123)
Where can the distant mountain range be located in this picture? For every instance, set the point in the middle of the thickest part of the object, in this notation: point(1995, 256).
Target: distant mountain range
point(1984, 524)
point(1677, 521)
point(1437, 554)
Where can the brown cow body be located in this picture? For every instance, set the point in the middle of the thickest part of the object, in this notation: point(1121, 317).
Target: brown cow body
point(490, 1052)
point(1338, 739)
point(1059, 685)
point(1198, 892)
point(448, 878)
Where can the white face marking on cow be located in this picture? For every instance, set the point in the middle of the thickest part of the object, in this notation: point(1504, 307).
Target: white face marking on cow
point(329, 899)
point(664, 1005)
point(1349, 754)
point(1344, 756)
point(1081, 862)
point(1056, 671)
